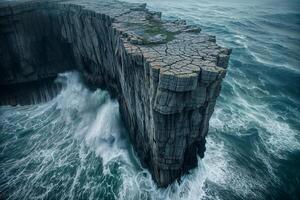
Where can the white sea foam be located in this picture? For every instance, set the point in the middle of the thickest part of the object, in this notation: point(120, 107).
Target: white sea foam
point(92, 119)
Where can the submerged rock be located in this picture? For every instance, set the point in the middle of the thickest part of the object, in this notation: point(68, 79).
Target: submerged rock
point(166, 75)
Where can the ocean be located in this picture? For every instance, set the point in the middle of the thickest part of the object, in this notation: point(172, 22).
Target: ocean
point(76, 146)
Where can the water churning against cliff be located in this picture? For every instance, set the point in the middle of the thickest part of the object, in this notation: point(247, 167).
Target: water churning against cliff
point(76, 147)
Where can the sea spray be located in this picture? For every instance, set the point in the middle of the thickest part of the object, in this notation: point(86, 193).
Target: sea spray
point(77, 143)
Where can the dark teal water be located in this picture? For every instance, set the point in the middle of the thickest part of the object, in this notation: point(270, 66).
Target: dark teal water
point(75, 146)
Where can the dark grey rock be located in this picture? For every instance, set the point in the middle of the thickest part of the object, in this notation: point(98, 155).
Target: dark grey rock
point(166, 75)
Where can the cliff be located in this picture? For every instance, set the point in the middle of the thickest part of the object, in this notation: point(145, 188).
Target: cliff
point(166, 75)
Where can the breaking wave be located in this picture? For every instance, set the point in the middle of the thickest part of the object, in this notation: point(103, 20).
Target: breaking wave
point(75, 146)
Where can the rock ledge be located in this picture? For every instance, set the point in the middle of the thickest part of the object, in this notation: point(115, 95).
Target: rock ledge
point(166, 75)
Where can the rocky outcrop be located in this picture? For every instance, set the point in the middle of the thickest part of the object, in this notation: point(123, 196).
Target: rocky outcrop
point(30, 92)
point(166, 75)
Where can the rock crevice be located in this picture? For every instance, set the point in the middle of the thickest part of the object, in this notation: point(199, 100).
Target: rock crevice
point(166, 75)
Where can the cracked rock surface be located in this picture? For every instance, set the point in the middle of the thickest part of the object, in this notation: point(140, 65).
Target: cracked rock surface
point(166, 75)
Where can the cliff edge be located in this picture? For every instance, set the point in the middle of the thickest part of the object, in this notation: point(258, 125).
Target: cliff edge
point(166, 75)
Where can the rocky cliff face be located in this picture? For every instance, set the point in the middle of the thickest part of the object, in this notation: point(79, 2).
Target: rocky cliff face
point(166, 75)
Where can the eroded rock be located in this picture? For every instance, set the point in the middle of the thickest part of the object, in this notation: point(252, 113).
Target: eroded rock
point(166, 75)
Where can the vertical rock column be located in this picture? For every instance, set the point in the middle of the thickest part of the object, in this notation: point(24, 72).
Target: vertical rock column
point(183, 105)
point(165, 75)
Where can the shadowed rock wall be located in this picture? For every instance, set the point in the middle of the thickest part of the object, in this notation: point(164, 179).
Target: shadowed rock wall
point(166, 75)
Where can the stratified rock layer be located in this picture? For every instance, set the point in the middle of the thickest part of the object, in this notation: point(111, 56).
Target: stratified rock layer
point(166, 75)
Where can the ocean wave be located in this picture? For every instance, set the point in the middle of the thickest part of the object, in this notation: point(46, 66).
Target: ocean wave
point(46, 148)
point(76, 130)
